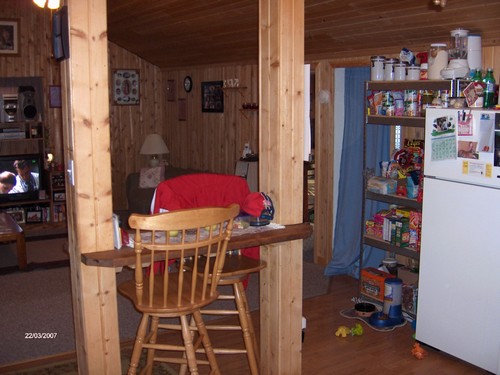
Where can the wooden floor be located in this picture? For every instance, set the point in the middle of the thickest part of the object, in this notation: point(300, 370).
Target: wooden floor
point(373, 353)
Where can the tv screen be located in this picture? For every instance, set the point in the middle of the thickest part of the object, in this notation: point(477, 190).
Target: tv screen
point(21, 177)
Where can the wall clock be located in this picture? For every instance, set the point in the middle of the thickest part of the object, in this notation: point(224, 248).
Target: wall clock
point(188, 84)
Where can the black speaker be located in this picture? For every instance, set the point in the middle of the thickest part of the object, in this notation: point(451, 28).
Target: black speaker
point(27, 103)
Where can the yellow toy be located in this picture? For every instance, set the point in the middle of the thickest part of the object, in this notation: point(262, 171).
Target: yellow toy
point(342, 331)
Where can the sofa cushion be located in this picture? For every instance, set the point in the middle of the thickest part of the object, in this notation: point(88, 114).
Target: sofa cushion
point(151, 177)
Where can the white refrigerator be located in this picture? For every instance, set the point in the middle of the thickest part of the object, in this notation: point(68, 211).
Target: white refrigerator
point(458, 308)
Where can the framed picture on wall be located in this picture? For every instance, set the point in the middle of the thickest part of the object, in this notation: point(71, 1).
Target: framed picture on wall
point(33, 216)
point(9, 37)
point(126, 84)
point(171, 94)
point(17, 214)
point(55, 97)
point(182, 110)
point(212, 97)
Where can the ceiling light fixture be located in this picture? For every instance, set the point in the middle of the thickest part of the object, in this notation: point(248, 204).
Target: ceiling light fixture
point(52, 4)
point(441, 3)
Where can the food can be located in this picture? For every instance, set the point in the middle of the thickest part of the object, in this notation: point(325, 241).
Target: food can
point(377, 68)
point(388, 106)
point(427, 97)
point(423, 71)
point(412, 107)
point(445, 98)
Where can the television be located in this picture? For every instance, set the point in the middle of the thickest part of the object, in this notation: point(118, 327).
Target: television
point(21, 177)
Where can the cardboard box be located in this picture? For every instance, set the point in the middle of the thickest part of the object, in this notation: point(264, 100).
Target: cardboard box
point(408, 276)
point(373, 229)
point(415, 228)
point(402, 232)
point(373, 282)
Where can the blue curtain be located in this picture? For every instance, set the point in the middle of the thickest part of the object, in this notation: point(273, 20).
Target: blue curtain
point(349, 226)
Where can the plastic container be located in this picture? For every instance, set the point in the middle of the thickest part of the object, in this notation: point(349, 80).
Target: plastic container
point(438, 60)
point(391, 264)
point(389, 69)
point(392, 297)
point(377, 68)
point(400, 71)
point(413, 73)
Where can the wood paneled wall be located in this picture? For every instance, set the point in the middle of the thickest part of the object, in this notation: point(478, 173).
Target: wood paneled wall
point(205, 141)
point(35, 60)
point(212, 141)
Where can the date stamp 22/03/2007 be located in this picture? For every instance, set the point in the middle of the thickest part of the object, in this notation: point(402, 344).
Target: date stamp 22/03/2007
point(40, 335)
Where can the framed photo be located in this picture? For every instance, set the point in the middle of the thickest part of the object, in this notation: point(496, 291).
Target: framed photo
point(171, 90)
point(212, 97)
point(182, 110)
point(34, 216)
point(9, 37)
point(17, 215)
point(126, 85)
point(59, 197)
point(55, 97)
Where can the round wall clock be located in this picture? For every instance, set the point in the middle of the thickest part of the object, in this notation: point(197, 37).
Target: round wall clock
point(188, 84)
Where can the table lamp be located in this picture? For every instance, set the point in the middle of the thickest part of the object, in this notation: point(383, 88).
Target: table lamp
point(154, 146)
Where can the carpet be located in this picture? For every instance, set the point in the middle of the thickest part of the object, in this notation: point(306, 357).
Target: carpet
point(69, 366)
point(40, 301)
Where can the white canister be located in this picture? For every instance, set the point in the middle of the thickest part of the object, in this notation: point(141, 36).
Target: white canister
point(413, 73)
point(474, 53)
point(377, 69)
point(438, 60)
point(400, 71)
point(389, 69)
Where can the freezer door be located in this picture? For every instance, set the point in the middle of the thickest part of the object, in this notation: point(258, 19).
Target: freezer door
point(459, 284)
point(463, 149)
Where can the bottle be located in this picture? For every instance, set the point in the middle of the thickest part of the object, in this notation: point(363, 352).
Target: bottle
point(489, 89)
point(478, 79)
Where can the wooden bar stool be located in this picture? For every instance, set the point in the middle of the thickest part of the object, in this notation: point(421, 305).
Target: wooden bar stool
point(11, 231)
point(177, 235)
point(237, 268)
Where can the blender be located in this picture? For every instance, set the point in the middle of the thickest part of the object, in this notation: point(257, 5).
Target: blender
point(458, 66)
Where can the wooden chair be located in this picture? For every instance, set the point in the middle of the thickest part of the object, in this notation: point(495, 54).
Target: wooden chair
point(237, 268)
point(177, 235)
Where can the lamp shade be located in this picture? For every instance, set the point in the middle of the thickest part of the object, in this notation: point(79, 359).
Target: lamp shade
point(53, 4)
point(154, 145)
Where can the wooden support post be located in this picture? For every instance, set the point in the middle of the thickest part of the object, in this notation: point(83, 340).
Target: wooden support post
point(87, 157)
point(323, 153)
point(281, 176)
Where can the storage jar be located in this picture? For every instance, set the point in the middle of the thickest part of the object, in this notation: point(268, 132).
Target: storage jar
point(377, 68)
point(438, 60)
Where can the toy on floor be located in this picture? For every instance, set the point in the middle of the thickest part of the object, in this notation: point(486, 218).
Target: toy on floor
point(357, 330)
point(418, 352)
point(343, 331)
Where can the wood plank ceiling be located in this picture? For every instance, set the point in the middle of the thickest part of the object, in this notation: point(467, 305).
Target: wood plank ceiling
point(178, 33)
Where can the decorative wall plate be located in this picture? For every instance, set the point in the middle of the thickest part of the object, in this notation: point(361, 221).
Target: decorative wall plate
point(126, 84)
